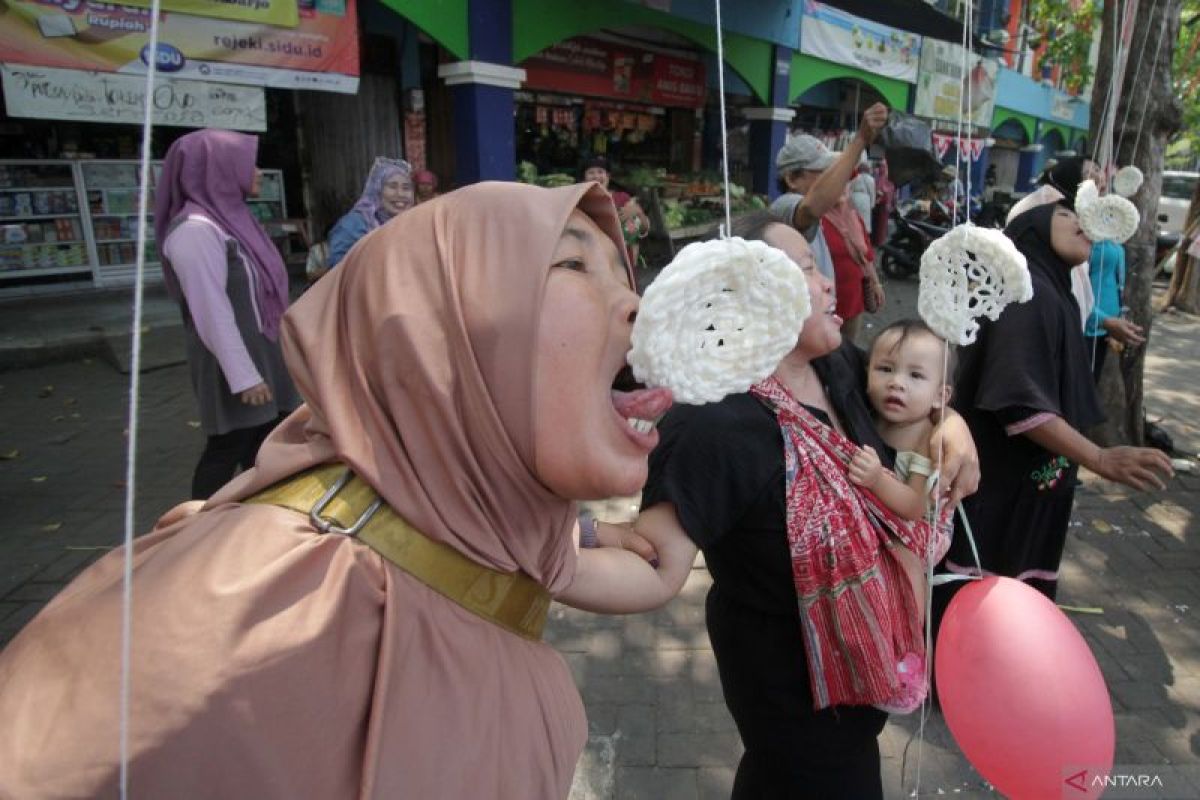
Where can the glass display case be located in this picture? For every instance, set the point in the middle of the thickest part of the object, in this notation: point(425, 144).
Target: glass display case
point(268, 206)
point(111, 188)
point(42, 232)
point(78, 219)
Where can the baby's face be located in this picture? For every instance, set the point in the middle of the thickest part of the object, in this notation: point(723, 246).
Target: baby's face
point(904, 379)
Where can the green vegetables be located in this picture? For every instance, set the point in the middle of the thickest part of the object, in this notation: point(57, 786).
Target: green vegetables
point(527, 173)
point(674, 213)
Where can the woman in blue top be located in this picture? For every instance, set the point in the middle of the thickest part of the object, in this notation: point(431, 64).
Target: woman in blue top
point(388, 191)
point(1106, 269)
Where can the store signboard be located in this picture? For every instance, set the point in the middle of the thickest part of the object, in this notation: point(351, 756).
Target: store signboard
point(320, 53)
point(942, 93)
point(834, 35)
point(48, 93)
point(598, 68)
point(284, 13)
point(1061, 107)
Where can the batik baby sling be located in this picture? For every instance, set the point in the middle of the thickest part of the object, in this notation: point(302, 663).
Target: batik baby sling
point(858, 615)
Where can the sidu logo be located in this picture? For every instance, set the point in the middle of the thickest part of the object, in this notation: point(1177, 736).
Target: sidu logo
point(167, 59)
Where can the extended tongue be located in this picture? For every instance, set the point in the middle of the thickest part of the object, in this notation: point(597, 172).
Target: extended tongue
point(647, 404)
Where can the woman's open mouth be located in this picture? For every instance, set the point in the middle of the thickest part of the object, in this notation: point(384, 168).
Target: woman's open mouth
point(639, 407)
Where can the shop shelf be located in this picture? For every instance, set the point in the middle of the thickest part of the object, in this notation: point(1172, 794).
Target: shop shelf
point(39, 216)
point(33, 273)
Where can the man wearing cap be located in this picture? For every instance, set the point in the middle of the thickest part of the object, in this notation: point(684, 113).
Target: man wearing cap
point(815, 177)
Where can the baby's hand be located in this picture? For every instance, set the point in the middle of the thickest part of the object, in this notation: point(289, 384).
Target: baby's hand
point(865, 468)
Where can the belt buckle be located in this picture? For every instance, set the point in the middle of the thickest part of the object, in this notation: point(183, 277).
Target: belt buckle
point(325, 525)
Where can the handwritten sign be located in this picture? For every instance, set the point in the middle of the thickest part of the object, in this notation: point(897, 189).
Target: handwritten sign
point(44, 93)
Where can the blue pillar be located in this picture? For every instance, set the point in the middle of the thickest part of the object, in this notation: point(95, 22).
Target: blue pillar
point(978, 168)
point(769, 126)
point(482, 88)
point(1027, 170)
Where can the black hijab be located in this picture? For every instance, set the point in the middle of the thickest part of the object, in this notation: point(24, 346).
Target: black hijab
point(1065, 176)
point(1034, 358)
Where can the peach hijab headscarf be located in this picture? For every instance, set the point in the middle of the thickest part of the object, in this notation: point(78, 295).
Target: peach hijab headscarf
point(416, 361)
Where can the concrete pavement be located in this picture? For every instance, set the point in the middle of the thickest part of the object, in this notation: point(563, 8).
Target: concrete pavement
point(658, 725)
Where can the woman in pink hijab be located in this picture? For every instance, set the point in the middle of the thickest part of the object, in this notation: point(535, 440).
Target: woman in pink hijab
point(359, 615)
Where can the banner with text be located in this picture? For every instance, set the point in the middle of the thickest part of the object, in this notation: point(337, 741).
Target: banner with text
point(47, 93)
point(320, 53)
point(597, 68)
point(284, 13)
point(941, 90)
point(834, 35)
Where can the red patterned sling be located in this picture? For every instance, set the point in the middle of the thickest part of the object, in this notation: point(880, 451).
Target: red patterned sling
point(858, 615)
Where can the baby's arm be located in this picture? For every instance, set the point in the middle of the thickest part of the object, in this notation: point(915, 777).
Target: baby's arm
point(610, 580)
point(866, 471)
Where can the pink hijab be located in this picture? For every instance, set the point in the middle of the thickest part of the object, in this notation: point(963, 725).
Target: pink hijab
point(416, 360)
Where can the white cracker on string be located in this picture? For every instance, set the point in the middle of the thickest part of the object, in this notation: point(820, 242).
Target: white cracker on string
point(1127, 181)
point(718, 319)
point(968, 273)
point(1107, 218)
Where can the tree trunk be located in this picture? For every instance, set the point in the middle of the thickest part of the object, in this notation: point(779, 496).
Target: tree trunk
point(1146, 117)
point(1184, 291)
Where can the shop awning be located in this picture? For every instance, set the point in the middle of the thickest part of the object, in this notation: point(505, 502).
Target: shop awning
point(915, 16)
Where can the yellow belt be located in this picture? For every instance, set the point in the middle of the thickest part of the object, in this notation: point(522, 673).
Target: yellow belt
point(337, 501)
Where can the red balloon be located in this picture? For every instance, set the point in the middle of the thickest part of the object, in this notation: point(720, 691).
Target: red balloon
point(1022, 693)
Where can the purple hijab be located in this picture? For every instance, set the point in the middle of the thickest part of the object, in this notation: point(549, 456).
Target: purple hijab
point(210, 172)
point(383, 170)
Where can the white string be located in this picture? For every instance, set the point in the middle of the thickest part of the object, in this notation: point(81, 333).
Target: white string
point(135, 372)
point(724, 135)
point(1137, 72)
point(967, 59)
point(958, 128)
point(970, 56)
point(1102, 150)
point(1162, 34)
point(1104, 153)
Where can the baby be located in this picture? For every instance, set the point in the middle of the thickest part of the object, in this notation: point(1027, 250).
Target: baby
point(907, 389)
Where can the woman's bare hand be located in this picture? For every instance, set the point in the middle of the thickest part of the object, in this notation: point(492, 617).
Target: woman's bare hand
point(952, 441)
point(178, 513)
point(1136, 467)
point(258, 395)
point(1125, 331)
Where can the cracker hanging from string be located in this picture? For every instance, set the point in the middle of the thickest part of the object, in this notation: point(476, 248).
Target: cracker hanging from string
point(1107, 218)
point(968, 273)
point(1127, 181)
point(718, 319)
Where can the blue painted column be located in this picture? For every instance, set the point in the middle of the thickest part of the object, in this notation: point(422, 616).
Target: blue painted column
point(1027, 168)
point(978, 168)
point(769, 126)
point(482, 88)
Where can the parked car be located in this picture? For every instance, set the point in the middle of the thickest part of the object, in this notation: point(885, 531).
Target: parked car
point(1177, 189)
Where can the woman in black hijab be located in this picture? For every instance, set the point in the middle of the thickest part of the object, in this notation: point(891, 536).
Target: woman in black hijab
point(1026, 391)
point(1067, 174)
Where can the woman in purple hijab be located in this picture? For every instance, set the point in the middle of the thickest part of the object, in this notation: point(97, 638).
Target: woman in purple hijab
point(388, 191)
point(232, 288)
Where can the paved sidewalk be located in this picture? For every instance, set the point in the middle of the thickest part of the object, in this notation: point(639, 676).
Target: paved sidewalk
point(658, 725)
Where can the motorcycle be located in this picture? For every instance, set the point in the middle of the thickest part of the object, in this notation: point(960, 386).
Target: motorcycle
point(900, 255)
point(915, 227)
